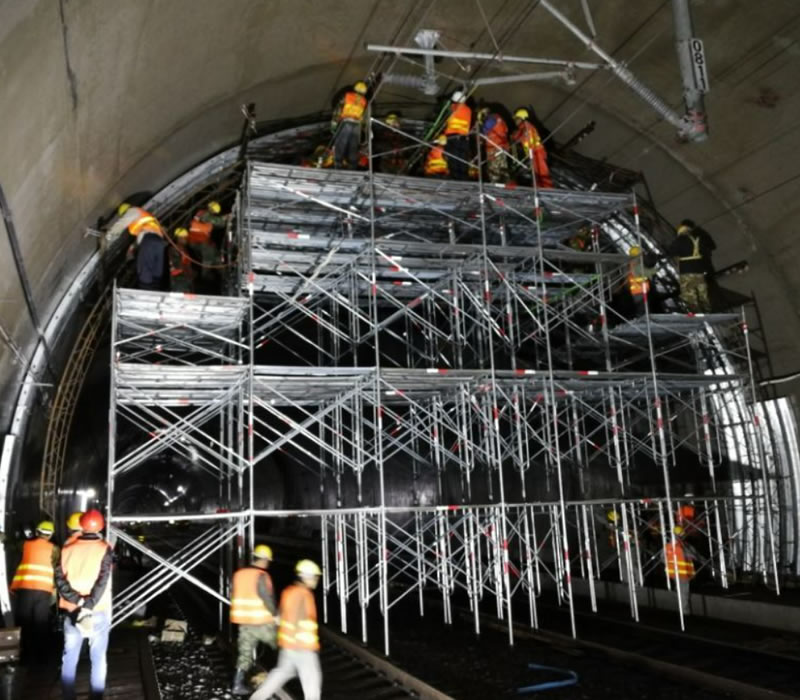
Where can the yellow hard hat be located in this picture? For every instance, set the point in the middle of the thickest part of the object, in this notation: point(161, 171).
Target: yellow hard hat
point(634, 251)
point(306, 567)
point(181, 232)
point(46, 527)
point(74, 521)
point(441, 139)
point(214, 207)
point(262, 551)
point(521, 113)
point(122, 208)
point(392, 119)
point(360, 87)
point(683, 229)
point(678, 530)
point(612, 516)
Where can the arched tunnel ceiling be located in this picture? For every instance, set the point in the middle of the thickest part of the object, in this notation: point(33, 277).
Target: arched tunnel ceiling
point(101, 98)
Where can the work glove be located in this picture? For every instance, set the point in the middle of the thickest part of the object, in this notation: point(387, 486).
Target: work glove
point(83, 621)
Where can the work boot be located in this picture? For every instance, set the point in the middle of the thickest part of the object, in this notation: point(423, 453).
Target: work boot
point(240, 686)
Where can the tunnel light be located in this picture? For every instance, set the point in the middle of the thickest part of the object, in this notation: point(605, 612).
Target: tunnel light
point(85, 495)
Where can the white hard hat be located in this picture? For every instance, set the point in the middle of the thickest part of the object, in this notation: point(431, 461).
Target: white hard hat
point(458, 96)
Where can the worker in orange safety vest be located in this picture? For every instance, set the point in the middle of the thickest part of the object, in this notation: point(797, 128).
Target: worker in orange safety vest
point(253, 610)
point(298, 637)
point(203, 244)
point(530, 148)
point(495, 132)
point(638, 281)
point(435, 161)
point(33, 588)
point(456, 129)
point(148, 246)
point(679, 566)
point(83, 581)
point(347, 118)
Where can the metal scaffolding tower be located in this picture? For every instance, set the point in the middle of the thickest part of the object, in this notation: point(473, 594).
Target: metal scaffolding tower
point(445, 337)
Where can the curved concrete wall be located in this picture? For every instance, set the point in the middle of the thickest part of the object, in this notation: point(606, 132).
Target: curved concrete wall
point(103, 98)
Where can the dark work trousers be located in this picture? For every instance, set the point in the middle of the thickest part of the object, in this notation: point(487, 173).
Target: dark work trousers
point(346, 144)
point(457, 155)
point(32, 614)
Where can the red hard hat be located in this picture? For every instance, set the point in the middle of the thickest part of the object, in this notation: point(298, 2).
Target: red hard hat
point(92, 521)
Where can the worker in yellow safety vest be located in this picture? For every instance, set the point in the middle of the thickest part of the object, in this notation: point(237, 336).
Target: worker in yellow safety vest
point(32, 589)
point(298, 637)
point(347, 119)
point(83, 580)
point(253, 610)
point(693, 248)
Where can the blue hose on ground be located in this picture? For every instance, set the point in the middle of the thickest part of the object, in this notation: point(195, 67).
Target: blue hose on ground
point(571, 679)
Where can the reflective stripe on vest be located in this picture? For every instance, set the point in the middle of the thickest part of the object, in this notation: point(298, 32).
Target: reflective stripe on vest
point(298, 623)
point(35, 572)
point(435, 163)
point(81, 563)
point(353, 107)
point(695, 249)
point(685, 571)
point(247, 608)
point(527, 136)
point(145, 222)
point(637, 283)
point(459, 120)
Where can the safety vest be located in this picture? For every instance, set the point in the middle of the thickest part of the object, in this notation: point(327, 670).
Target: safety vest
point(435, 163)
point(247, 608)
point(199, 230)
point(73, 537)
point(496, 135)
point(685, 570)
point(637, 283)
point(353, 107)
point(298, 624)
point(144, 222)
point(684, 514)
point(80, 563)
point(696, 255)
point(35, 572)
point(459, 121)
point(527, 136)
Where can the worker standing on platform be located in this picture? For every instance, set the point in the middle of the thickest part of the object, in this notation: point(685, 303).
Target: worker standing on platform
point(390, 145)
point(150, 244)
point(348, 117)
point(693, 248)
point(73, 527)
point(298, 637)
point(680, 568)
point(638, 281)
point(202, 244)
point(530, 148)
point(83, 580)
point(181, 272)
point(253, 609)
point(495, 130)
point(435, 161)
point(457, 132)
point(33, 589)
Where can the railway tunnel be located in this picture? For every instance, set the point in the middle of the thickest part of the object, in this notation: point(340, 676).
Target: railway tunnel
point(423, 384)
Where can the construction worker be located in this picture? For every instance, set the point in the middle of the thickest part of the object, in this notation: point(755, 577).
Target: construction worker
point(298, 638)
point(83, 580)
point(33, 589)
point(638, 281)
point(73, 527)
point(495, 131)
point(456, 129)
point(390, 145)
point(530, 148)
point(435, 161)
point(680, 568)
point(253, 609)
point(611, 518)
point(201, 243)
point(693, 247)
point(348, 116)
point(181, 272)
point(150, 244)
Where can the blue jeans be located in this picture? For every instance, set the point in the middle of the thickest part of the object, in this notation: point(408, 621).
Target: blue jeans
point(98, 643)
